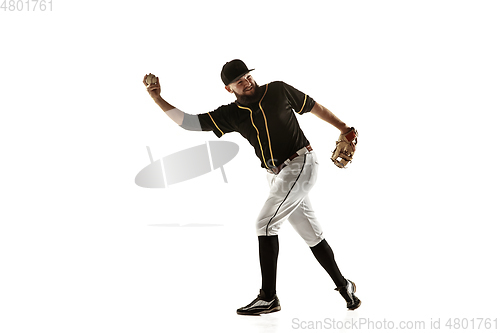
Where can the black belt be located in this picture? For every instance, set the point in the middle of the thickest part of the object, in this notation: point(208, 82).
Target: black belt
point(276, 170)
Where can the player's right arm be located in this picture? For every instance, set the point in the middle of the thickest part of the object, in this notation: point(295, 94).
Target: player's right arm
point(214, 121)
point(154, 90)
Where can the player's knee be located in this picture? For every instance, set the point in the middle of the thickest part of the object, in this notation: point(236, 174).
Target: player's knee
point(264, 228)
point(313, 241)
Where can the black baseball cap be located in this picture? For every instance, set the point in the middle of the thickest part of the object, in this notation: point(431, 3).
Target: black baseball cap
point(233, 70)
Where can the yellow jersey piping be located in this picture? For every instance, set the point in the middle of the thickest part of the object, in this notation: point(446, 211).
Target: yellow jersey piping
point(258, 138)
point(267, 129)
point(215, 123)
point(305, 99)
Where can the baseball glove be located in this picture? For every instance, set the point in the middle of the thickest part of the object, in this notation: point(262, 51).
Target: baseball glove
point(345, 148)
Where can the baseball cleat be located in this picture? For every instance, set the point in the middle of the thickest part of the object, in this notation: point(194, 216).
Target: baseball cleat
point(348, 293)
point(261, 305)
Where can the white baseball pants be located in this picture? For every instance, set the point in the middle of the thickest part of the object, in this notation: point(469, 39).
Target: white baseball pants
point(288, 199)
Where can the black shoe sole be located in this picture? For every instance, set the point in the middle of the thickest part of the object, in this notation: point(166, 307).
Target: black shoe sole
point(275, 309)
point(354, 307)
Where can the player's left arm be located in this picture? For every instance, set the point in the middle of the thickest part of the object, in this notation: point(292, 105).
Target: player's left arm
point(324, 114)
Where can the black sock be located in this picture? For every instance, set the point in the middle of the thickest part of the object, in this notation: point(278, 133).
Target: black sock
point(268, 255)
point(324, 254)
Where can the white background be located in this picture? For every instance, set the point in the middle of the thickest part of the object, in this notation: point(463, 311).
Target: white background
point(412, 221)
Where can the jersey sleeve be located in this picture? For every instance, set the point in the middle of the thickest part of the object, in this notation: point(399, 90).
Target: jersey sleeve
point(218, 121)
point(300, 102)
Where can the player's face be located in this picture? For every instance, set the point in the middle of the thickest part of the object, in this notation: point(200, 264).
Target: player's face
point(245, 86)
point(246, 89)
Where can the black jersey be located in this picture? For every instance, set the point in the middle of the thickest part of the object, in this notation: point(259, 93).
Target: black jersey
point(270, 125)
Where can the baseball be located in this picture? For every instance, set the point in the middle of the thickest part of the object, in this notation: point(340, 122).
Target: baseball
point(151, 79)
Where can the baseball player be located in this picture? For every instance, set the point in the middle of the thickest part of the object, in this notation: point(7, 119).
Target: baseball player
point(265, 116)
